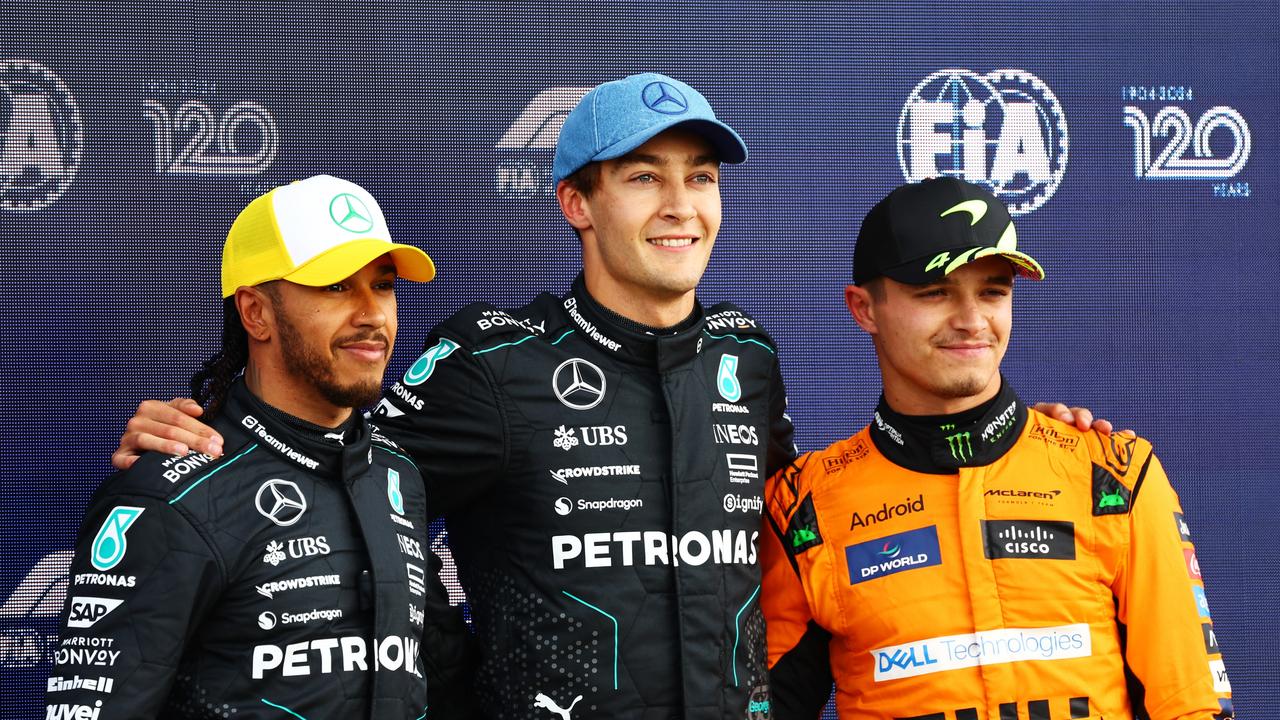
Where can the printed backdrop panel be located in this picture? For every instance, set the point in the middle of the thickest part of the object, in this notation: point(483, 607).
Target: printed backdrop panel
point(1134, 142)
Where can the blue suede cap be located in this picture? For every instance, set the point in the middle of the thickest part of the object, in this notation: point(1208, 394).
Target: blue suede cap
point(621, 115)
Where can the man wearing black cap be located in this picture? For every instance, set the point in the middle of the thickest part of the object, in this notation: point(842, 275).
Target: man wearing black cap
point(964, 556)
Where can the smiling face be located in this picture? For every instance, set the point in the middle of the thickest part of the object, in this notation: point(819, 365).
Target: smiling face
point(939, 345)
point(648, 226)
point(335, 341)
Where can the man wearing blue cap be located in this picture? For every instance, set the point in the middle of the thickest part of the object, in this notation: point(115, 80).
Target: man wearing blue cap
point(600, 456)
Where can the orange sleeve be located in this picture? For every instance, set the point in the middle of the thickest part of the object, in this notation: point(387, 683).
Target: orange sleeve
point(1170, 644)
point(800, 677)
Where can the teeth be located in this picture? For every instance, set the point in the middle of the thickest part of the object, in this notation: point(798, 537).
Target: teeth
point(672, 242)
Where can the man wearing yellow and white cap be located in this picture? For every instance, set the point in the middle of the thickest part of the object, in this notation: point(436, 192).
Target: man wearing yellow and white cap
point(290, 576)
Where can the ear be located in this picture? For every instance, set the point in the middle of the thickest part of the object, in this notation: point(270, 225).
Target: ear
point(574, 205)
point(858, 300)
point(257, 314)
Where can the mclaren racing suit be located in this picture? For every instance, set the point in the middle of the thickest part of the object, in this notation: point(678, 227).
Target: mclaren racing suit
point(602, 489)
point(288, 578)
point(993, 565)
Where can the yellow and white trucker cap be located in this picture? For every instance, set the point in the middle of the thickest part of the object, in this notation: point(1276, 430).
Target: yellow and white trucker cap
point(313, 232)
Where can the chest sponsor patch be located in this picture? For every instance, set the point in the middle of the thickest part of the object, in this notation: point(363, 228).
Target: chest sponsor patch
point(1110, 496)
point(893, 554)
point(1202, 602)
point(1029, 539)
point(985, 647)
point(802, 531)
point(1210, 639)
point(1184, 530)
point(1219, 671)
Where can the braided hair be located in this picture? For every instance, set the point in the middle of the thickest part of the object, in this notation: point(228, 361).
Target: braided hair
point(210, 383)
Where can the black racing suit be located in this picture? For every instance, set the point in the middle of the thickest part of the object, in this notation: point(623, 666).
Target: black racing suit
point(288, 578)
point(602, 489)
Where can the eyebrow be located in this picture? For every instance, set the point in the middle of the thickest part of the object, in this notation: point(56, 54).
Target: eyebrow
point(646, 159)
point(991, 280)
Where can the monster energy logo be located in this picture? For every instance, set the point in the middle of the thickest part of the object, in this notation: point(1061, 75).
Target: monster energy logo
point(960, 443)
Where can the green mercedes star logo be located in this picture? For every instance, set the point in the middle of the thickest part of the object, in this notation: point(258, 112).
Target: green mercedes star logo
point(350, 213)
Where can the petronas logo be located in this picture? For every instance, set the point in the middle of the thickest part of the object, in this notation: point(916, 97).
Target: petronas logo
point(960, 443)
point(110, 544)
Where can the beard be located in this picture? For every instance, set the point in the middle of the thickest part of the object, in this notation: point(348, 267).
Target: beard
point(305, 362)
point(960, 387)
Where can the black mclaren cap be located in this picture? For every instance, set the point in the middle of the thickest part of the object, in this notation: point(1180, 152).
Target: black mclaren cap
point(922, 231)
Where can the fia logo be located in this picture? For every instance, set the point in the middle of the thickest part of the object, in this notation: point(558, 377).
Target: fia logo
point(41, 138)
point(1005, 130)
point(216, 145)
point(727, 378)
point(110, 544)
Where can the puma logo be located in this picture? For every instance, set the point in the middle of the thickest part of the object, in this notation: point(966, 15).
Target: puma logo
point(542, 701)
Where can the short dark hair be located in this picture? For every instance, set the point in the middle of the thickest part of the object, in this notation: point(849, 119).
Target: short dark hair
point(585, 179)
point(875, 286)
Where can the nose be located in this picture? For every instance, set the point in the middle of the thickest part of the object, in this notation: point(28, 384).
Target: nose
point(678, 204)
point(368, 311)
point(968, 316)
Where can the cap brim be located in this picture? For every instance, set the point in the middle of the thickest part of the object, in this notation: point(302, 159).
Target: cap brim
point(346, 260)
point(729, 146)
point(914, 272)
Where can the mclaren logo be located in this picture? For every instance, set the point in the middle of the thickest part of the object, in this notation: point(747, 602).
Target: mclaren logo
point(975, 208)
point(281, 502)
point(578, 384)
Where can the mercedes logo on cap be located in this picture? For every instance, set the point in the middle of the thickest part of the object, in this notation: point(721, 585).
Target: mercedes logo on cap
point(664, 98)
point(281, 502)
point(578, 384)
point(350, 213)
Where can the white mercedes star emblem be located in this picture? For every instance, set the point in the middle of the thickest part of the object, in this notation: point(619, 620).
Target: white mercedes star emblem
point(285, 503)
point(578, 384)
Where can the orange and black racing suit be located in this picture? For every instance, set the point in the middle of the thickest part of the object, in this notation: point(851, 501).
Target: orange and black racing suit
point(992, 565)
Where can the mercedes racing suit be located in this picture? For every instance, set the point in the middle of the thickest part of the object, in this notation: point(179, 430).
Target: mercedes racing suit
point(286, 579)
point(993, 565)
point(602, 489)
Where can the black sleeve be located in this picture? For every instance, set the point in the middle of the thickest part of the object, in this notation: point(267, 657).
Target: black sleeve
point(782, 442)
point(800, 682)
point(450, 654)
point(141, 581)
point(445, 412)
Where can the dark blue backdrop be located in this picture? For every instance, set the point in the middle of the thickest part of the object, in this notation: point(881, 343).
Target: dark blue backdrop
point(131, 133)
